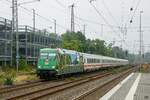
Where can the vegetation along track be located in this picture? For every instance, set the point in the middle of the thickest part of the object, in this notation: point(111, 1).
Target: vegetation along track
point(57, 88)
point(29, 84)
point(105, 87)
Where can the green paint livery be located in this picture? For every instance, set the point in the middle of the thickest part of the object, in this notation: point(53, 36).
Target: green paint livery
point(59, 61)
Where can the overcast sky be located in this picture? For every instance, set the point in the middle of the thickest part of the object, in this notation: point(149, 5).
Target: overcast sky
point(116, 13)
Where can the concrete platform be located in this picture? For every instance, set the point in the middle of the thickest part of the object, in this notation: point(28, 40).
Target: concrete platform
point(134, 87)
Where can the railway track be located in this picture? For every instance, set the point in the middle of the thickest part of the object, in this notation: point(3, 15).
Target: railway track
point(49, 90)
point(87, 95)
point(57, 88)
point(39, 97)
point(25, 85)
point(20, 86)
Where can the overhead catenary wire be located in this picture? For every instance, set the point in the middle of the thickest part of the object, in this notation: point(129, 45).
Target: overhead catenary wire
point(30, 10)
point(132, 4)
point(113, 18)
point(135, 9)
point(2, 11)
point(86, 20)
point(130, 19)
point(90, 1)
point(26, 2)
point(79, 18)
point(109, 12)
point(111, 15)
point(44, 17)
point(93, 22)
point(99, 13)
point(75, 17)
point(83, 19)
point(59, 3)
point(49, 19)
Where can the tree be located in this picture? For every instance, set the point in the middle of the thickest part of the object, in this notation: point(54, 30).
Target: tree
point(109, 51)
point(74, 41)
point(77, 41)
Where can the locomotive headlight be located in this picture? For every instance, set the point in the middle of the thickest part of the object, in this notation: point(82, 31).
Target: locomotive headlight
point(53, 66)
point(39, 66)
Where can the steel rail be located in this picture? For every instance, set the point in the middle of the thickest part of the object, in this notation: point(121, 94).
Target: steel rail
point(58, 88)
point(114, 80)
point(19, 86)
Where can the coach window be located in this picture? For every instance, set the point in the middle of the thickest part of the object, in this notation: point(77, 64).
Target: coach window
point(87, 60)
point(90, 60)
point(84, 60)
point(102, 61)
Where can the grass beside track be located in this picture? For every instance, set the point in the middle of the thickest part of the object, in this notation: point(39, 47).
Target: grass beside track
point(16, 77)
point(25, 77)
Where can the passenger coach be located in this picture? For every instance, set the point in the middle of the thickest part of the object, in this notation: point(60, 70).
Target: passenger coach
point(92, 62)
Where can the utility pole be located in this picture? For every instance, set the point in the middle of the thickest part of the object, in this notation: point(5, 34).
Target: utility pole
point(15, 25)
point(15, 28)
point(55, 32)
point(141, 39)
point(11, 63)
point(55, 26)
point(33, 20)
point(72, 19)
point(84, 26)
point(33, 35)
point(102, 29)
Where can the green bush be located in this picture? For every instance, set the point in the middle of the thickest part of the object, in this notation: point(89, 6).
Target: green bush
point(9, 76)
point(22, 65)
point(8, 81)
point(1, 78)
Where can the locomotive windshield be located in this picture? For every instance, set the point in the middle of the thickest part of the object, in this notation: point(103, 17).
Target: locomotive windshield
point(50, 56)
point(47, 59)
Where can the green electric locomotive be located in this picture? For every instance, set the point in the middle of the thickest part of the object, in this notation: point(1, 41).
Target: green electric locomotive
point(55, 62)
